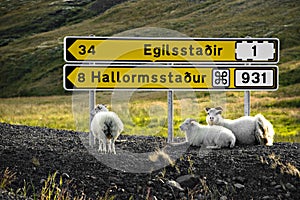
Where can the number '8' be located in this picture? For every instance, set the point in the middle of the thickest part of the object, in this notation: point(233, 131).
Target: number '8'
point(81, 77)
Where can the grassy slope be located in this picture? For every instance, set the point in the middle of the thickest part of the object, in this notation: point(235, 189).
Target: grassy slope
point(32, 64)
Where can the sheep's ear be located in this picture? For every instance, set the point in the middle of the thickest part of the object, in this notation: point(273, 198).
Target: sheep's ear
point(193, 121)
point(219, 112)
point(207, 109)
point(219, 108)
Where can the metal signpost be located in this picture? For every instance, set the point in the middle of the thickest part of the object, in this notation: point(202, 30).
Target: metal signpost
point(168, 64)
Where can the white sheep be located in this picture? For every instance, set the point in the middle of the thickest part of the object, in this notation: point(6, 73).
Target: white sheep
point(214, 137)
point(106, 127)
point(247, 129)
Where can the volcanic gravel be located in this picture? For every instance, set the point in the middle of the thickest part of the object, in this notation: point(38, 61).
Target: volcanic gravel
point(144, 168)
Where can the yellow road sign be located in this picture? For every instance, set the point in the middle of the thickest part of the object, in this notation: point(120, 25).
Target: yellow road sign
point(163, 77)
point(99, 49)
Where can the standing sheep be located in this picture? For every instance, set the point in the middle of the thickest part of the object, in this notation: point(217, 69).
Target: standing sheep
point(214, 137)
point(106, 126)
point(247, 129)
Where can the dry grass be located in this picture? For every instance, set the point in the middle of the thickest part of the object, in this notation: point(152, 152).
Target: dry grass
point(275, 162)
point(6, 179)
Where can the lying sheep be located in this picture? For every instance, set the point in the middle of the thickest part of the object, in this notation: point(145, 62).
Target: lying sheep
point(247, 129)
point(106, 127)
point(214, 137)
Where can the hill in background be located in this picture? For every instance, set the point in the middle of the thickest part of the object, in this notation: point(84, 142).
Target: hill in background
point(32, 32)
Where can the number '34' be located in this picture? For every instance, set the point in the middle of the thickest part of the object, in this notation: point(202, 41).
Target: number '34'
point(84, 50)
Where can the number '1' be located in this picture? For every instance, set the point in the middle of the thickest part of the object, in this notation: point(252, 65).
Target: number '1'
point(254, 50)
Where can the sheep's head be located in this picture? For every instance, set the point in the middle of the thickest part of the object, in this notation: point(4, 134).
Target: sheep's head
point(100, 108)
point(213, 115)
point(187, 124)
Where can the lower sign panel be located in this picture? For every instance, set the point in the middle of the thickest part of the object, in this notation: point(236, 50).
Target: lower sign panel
point(166, 77)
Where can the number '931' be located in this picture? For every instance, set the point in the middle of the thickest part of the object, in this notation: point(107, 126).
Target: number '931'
point(254, 77)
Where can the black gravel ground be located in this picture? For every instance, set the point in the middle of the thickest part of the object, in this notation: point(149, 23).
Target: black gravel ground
point(143, 168)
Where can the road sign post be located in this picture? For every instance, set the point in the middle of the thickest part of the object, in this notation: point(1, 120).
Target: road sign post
point(171, 64)
point(170, 116)
point(92, 103)
point(247, 103)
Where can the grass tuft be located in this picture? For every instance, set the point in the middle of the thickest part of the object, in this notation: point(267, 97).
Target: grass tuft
point(6, 179)
point(275, 163)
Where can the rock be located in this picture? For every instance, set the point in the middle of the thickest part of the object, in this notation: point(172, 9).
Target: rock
point(42, 181)
point(290, 186)
point(113, 184)
point(223, 198)
point(288, 195)
point(277, 187)
point(181, 195)
point(266, 197)
point(189, 181)
point(65, 175)
point(239, 186)
point(150, 183)
point(139, 188)
point(239, 179)
point(175, 185)
point(167, 195)
point(273, 183)
point(116, 180)
point(202, 197)
point(221, 182)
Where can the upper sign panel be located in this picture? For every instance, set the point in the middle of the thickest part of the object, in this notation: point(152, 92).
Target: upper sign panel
point(198, 50)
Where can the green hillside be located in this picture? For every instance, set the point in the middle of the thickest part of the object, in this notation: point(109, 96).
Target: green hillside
point(32, 32)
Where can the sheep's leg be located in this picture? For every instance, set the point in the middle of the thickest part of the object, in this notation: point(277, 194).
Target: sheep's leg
point(231, 145)
point(109, 146)
point(104, 146)
point(94, 142)
point(91, 143)
point(113, 147)
point(100, 145)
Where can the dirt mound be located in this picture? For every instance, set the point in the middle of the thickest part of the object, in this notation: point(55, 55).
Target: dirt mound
point(143, 168)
